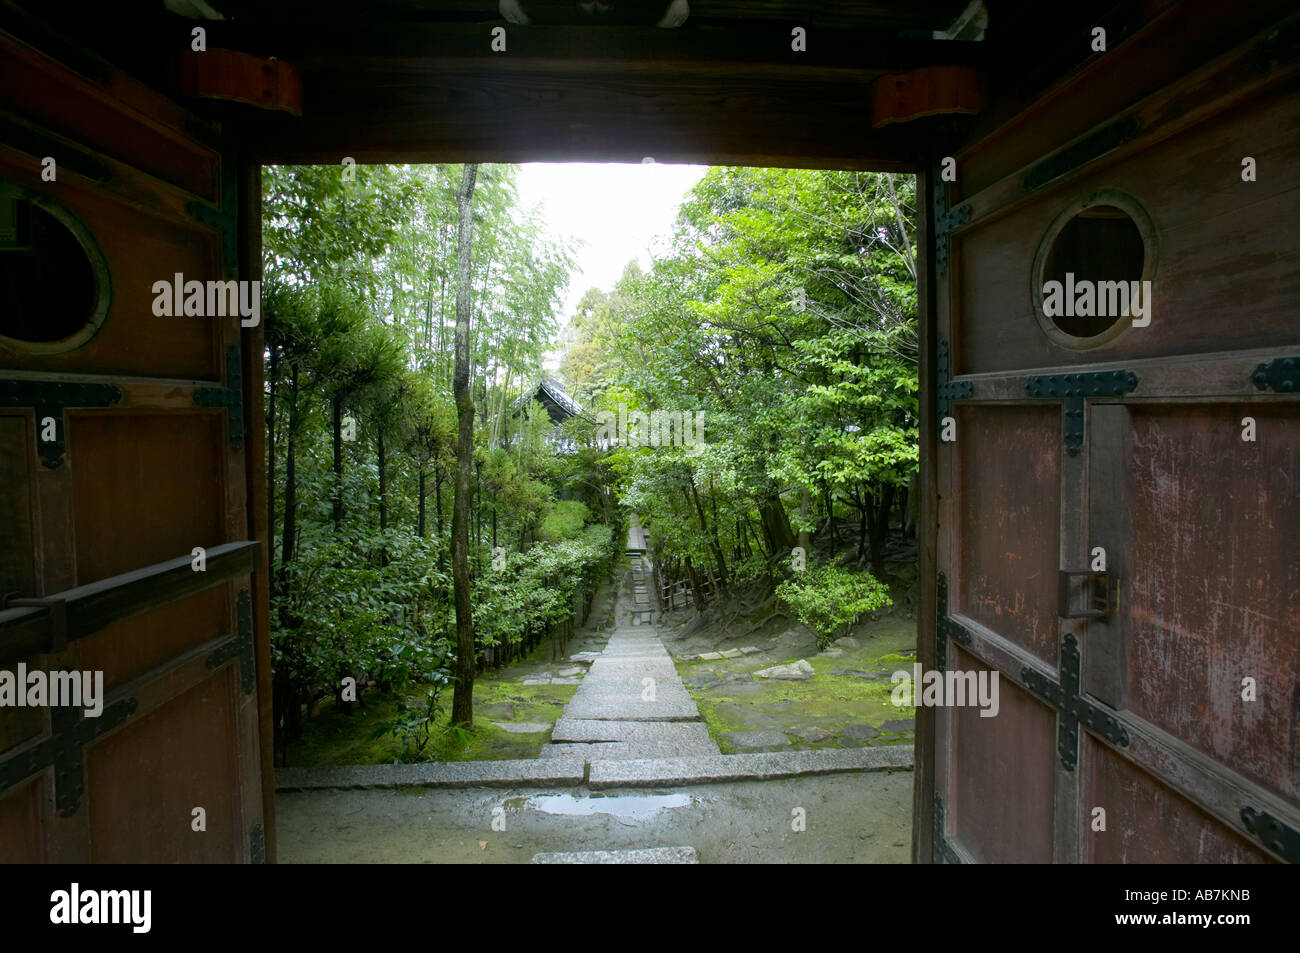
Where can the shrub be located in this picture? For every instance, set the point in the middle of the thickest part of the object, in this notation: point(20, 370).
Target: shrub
point(828, 598)
point(564, 520)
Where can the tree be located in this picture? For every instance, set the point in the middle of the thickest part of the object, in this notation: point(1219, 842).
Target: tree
point(462, 706)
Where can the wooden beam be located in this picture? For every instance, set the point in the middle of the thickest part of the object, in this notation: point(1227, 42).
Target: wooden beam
point(29, 630)
point(312, 44)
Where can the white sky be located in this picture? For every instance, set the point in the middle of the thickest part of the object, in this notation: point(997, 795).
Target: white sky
point(616, 209)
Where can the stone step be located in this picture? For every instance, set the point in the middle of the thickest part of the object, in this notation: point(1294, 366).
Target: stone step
point(647, 732)
point(745, 767)
point(628, 750)
point(631, 708)
point(636, 855)
point(453, 774)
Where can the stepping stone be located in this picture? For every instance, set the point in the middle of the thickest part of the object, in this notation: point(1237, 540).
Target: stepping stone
point(756, 740)
point(832, 652)
point(649, 732)
point(522, 727)
point(567, 672)
point(859, 673)
point(702, 681)
point(710, 656)
point(749, 649)
point(537, 681)
point(566, 681)
point(899, 724)
point(859, 732)
point(794, 671)
point(812, 734)
point(640, 855)
point(504, 710)
point(732, 653)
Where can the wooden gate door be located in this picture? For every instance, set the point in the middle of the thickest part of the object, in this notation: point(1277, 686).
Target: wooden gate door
point(122, 452)
point(1117, 517)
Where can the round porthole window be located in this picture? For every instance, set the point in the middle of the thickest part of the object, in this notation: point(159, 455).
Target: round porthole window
point(1093, 273)
point(54, 287)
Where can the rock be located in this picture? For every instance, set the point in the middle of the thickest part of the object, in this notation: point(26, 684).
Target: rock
point(749, 649)
point(811, 734)
point(710, 656)
point(732, 653)
point(737, 677)
point(848, 642)
point(794, 671)
point(859, 673)
point(756, 740)
point(701, 681)
point(899, 724)
point(566, 681)
point(569, 672)
point(831, 653)
point(860, 732)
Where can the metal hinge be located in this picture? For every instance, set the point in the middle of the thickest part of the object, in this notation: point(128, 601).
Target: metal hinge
point(1278, 837)
point(1281, 375)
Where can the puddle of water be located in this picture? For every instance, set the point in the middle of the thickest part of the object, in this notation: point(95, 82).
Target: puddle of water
point(634, 807)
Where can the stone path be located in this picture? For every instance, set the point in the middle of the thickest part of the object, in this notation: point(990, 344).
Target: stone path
point(631, 705)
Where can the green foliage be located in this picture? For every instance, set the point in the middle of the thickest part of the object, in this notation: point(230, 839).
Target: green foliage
point(828, 598)
point(564, 520)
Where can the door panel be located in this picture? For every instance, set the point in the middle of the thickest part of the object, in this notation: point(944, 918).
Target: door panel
point(1155, 824)
point(995, 824)
point(1010, 497)
point(150, 462)
point(1148, 708)
point(1215, 582)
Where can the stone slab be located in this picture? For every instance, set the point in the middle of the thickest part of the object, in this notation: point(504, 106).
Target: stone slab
point(626, 750)
point(523, 727)
point(617, 708)
point(639, 855)
point(566, 681)
point(453, 774)
point(745, 767)
point(650, 732)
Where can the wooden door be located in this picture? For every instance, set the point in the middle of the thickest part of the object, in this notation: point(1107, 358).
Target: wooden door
point(122, 451)
point(1150, 711)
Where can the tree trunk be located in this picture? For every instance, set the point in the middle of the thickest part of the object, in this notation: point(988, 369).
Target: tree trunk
point(336, 427)
point(290, 477)
point(877, 512)
point(462, 706)
point(270, 461)
point(420, 518)
point(714, 543)
point(777, 525)
point(383, 494)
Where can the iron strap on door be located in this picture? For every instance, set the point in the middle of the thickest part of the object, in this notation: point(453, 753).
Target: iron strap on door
point(34, 626)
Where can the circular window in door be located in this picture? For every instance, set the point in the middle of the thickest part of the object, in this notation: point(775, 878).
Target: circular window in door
point(54, 287)
point(1093, 273)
